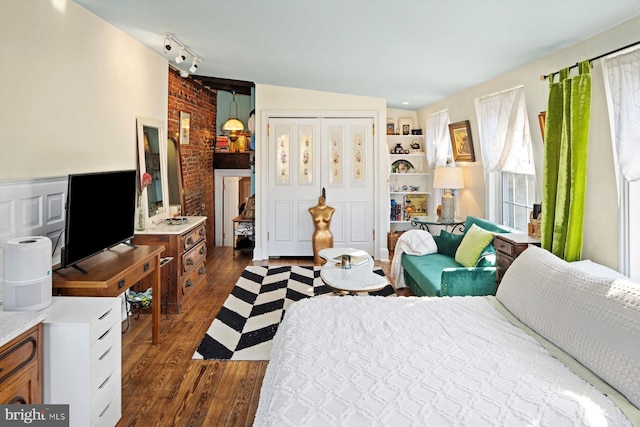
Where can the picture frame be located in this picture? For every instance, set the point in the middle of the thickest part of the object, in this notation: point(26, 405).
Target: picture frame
point(461, 142)
point(390, 127)
point(185, 124)
point(405, 124)
point(542, 121)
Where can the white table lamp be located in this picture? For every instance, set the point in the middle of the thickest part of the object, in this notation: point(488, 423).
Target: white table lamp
point(448, 177)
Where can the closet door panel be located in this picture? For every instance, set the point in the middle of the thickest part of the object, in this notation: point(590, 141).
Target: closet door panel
point(282, 228)
point(358, 231)
point(294, 185)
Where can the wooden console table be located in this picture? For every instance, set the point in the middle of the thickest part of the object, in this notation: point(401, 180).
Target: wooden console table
point(112, 272)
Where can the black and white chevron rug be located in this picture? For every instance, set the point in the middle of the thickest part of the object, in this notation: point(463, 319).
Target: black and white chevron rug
point(249, 318)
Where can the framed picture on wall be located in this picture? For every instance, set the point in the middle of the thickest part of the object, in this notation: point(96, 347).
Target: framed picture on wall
point(461, 142)
point(185, 123)
point(542, 121)
point(404, 125)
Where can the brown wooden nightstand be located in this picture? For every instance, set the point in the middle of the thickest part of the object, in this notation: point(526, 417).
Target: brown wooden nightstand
point(508, 247)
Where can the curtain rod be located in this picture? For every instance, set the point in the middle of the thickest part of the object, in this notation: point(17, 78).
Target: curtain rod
point(544, 77)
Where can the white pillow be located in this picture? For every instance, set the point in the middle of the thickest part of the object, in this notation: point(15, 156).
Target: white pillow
point(598, 269)
point(593, 318)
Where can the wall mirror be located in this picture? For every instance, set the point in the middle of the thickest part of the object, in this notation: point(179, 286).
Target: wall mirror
point(152, 152)
point(174, 174)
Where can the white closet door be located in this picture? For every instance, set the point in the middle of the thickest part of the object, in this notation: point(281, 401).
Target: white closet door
point(347, 164)
point(306, 155)
point(294, 184)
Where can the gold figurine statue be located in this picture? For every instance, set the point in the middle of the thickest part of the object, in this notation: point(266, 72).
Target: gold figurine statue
point(322, 237)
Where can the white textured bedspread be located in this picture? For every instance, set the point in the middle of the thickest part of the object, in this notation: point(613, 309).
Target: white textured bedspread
point(347, 361)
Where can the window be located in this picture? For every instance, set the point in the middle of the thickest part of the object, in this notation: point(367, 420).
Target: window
point(622, 73)
point(507, 157)
point(518, 196)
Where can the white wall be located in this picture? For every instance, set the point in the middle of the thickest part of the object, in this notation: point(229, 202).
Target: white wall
point(271, 99)
point(601, 217)
point(71, 87)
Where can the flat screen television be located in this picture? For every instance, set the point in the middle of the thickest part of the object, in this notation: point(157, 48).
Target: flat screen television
point(100, 213)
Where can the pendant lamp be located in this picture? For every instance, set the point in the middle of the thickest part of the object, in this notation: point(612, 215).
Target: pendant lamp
point(233, 125)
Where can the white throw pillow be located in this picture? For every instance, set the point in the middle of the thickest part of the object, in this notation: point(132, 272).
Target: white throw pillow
point(593, 318)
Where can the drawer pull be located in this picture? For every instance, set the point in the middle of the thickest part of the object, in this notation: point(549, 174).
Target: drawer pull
point(121, 284)
point(105, 410)
point(105, 334)
point(203, 250)
point(25, 362)
point(201, 271)
point(105, 314)
point(189, 283)
point(201, 232)
point(105, 354)
point(18, 399)
point(190, 241)
point(190, 261)
point(104, 383)
point(146, 267)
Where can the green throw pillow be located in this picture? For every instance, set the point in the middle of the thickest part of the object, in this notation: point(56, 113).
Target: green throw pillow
point(448, 243)
point(472, 245)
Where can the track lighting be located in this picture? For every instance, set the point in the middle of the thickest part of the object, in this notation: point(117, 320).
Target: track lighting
point(194, 66)
point(181, 57)
point(170, 41)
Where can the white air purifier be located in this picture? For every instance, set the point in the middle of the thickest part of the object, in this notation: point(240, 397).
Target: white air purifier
point(27, 274)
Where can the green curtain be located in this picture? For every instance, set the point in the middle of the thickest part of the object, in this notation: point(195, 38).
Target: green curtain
point(566, 142)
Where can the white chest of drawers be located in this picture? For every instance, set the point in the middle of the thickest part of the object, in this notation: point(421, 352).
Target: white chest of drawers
point(82, 359)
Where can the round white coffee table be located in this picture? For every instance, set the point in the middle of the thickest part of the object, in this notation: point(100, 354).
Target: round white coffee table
point(359, 278)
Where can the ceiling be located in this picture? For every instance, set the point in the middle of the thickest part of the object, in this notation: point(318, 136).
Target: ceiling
point(417, 51)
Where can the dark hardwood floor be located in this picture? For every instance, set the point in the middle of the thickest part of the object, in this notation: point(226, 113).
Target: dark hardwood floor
point(163, 386)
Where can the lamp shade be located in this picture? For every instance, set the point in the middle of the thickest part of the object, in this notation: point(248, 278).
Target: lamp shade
point(448, 177)
point(233, 124)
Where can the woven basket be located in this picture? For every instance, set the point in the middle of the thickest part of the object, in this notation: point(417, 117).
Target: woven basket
point(392, 239)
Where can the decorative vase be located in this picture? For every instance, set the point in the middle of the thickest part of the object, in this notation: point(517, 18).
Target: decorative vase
point(140, 220)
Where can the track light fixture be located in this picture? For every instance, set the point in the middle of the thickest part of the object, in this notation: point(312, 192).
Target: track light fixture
point(171, 41)
point(181, 57)
point(194, 66)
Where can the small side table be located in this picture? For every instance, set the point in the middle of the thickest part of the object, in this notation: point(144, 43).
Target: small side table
point(423, 222)
point(508, 247)
point(243, 234)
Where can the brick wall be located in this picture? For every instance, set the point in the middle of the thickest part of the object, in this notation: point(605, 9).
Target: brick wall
point(196, 157)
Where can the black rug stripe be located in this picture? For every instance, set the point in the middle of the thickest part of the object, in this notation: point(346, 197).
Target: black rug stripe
point(213, 349)
point(254, 277)
point(268, 287)
point(267, 307)
point(321, 290)
point(295, 295)
point(258, 336)
point(302, 279)
point(231, 319)
point(243, 294)
point(277, 270)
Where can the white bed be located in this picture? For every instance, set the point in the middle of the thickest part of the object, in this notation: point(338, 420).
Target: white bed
point(457, 361)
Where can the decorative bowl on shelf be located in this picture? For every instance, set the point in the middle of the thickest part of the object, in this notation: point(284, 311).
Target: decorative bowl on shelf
point(401, 166)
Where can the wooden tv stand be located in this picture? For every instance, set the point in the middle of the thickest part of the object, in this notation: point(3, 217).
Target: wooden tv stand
point(112, 272)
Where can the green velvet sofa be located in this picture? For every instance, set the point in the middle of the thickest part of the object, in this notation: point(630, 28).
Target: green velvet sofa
point(439, 274)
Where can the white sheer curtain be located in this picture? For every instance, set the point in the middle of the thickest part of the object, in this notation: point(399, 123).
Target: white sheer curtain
point(438, 147)
point(438, 139)
point(504, 132)
point(623, 75)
